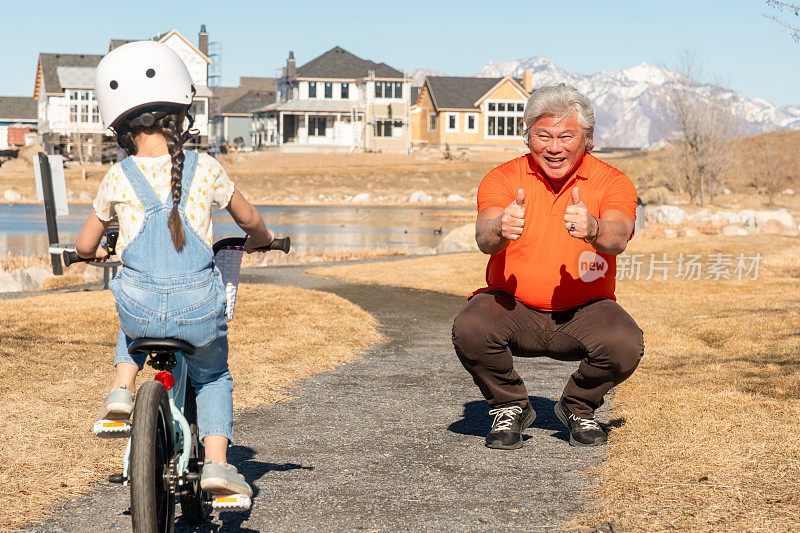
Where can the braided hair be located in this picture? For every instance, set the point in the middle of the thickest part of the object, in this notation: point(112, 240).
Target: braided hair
point(171, 128)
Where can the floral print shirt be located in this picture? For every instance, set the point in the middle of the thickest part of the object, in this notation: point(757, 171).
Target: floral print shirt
point(211, 184)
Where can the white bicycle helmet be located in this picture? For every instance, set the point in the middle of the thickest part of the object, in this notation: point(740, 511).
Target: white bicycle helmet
point(140, 82)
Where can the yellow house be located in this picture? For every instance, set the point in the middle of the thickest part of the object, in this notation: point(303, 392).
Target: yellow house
point(467, 111)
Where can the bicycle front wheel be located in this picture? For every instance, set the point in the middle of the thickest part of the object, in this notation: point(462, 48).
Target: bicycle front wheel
point(152, 436)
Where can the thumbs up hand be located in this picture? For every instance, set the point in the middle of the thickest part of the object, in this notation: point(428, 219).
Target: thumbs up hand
point(578, 221)
point(512, 220)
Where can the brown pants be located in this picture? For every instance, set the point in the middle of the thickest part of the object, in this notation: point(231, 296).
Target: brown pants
point(493, 327)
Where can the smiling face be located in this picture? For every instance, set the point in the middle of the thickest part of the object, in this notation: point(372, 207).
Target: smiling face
point(557, 145)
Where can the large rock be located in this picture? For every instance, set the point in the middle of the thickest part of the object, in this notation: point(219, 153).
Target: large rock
point(361, 198)
point(781, 215)
point(733, 230)
point(774, 227)
point(461, 239)
point(8, 283)
point(456, 199)
point(420, 197)
point(31, 278)
point(12, 196)
point(665, 214)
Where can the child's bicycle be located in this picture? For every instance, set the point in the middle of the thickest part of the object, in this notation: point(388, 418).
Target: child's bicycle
point(164, 457)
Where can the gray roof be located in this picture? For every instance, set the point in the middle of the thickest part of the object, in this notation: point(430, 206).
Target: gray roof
point(414, 94)
point(452, 92)
point(116, 43)
point(339, 63)
point(76, 77)
point(247, 102)
point(51, 62)
point(23, 108)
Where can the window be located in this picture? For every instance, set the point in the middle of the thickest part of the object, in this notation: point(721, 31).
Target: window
point(198, 107)
point(82, 106)
point(388, 89)
point(328, 89)
point(312, 89)
point(345, 90)
point(451, 122)
point(383, 128)
point(316, 126)
point(432, 122)
point(504, 119)
point(471, 122)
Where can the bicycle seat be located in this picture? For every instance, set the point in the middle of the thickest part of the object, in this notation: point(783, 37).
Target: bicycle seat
point(151, 345)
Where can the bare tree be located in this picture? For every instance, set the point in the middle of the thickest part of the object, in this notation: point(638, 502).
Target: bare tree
point(792, 8)
point(701, 122)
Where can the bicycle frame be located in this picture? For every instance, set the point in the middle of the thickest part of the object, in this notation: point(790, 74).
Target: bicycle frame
point(177, 400)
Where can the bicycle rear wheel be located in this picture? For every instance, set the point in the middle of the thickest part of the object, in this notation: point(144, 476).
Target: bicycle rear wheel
point(152, 436)
point(192, 503)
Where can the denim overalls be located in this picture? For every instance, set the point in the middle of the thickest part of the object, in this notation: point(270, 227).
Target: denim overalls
point(164, 293)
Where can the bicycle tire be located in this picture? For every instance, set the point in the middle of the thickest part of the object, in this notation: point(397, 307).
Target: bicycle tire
point(192, 503)
point(152, 448)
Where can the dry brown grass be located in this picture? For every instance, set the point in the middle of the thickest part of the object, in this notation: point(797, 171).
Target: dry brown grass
point(54, 368)
point(708, 422)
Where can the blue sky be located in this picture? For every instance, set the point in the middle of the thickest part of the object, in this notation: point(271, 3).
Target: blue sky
point(753, 54)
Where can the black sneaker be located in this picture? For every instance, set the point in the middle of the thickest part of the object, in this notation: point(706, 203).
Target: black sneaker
point(582, 431)
point(506, 433)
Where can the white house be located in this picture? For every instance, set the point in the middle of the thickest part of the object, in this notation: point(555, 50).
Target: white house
point(337, 101)
point(68, 116)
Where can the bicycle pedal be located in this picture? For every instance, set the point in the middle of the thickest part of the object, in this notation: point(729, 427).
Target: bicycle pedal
point(234, 502)
point(112, 429)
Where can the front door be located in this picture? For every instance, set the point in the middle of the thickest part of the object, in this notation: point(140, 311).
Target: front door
point(289, 128)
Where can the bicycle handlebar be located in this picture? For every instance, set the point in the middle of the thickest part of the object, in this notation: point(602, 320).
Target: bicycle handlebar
point(283, 245)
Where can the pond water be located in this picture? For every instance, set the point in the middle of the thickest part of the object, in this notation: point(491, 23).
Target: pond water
point(313, 229)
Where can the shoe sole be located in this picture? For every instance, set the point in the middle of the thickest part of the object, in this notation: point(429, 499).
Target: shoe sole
point(572, 442)
point(219, 486)
point(525, 424)
point(115, 411)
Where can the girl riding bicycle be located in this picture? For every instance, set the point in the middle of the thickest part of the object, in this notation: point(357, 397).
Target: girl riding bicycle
point(162, 196)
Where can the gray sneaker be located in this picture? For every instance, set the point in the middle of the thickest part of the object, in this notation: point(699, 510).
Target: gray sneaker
point(118, 404)
point(223, 480)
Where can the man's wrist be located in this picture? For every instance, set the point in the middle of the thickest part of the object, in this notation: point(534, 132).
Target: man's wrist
point(593, 239)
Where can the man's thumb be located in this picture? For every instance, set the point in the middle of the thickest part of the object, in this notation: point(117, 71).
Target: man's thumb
point(521, 197)
point(576, 198)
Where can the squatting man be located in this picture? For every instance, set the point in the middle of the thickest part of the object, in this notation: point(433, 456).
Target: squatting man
point(553, 222)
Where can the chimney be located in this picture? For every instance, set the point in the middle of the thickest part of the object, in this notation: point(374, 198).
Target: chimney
point(291, 70)
point(202, 40)
point(527, 81)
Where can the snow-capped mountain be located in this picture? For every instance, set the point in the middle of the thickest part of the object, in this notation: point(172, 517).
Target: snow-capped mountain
point(419, 74)
point(626, 102)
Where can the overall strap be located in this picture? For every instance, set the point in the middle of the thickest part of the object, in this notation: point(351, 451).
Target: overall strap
point(189, 168)
point(141, 187)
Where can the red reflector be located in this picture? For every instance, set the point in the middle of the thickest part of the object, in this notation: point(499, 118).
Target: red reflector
point(166, 379)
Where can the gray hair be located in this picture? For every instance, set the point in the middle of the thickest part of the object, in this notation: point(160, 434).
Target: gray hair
point(561, 101)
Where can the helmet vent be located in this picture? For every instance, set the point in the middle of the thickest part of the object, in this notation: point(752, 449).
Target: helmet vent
point(150, 73)
point(113, 84)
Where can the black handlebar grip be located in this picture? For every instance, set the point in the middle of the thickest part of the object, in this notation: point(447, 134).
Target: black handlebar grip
point(283, 245)
point(72, 257)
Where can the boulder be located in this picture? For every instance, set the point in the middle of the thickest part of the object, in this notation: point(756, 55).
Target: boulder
point(733, 230)
point(456, 199)
point(670, 233)
point(665, 214)
point(8, 283)
point(781, 215)
point(774, 227)
point(12, 196)
point(787, 192)
point(689, 232)
point(361, 198)
point(31, 278)
point(461, 239)
point(420, 197)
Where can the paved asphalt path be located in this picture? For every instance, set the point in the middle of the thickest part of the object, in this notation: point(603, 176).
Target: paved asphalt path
point(393, 442)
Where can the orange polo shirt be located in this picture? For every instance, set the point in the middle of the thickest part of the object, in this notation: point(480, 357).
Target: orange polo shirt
point(546, 268)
